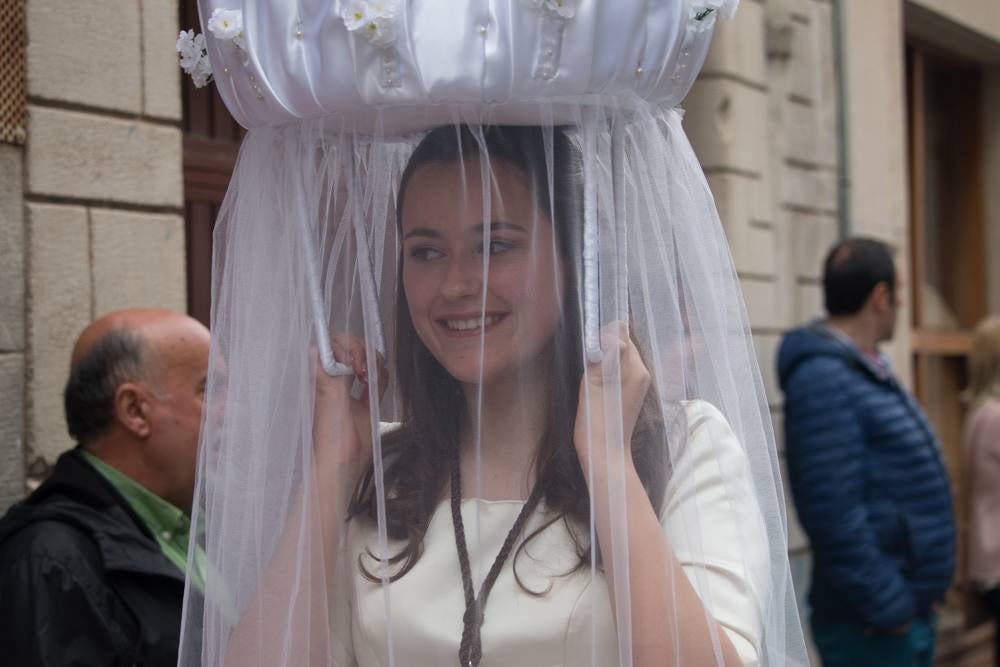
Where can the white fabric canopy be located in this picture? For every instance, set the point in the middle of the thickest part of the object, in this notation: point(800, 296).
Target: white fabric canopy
point(482, 387)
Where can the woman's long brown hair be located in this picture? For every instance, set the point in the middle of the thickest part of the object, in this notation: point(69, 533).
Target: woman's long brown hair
point(416, 455)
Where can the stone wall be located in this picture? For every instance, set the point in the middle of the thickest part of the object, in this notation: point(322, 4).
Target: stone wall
point(12, 339)
point(763, 120)
point(803, 143)
point(92, 213)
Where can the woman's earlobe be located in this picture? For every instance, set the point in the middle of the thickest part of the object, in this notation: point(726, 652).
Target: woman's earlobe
point(132, 409)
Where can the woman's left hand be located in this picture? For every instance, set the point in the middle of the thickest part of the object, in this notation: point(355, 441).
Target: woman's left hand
point(621, 362)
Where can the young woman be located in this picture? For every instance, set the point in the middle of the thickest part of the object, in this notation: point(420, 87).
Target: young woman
point(981, 441)
point(537, 434)
point(503, 461)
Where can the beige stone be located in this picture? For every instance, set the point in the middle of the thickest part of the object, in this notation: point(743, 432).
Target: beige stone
point(800, 127)
point(812, 236)
point(58, 310)
point(85, 52)
point(138, 261)
point(11, 429)
point(738, 48)
point(803, 61)
point(743, 202)
point(161, 84)
point(808, 189)
point(87, 156)
point(876, 119)
point(11, 249)
point(762, 298)
point(727, 123)
point(808, 302)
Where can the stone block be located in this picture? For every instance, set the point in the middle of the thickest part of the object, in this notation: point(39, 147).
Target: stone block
point(876, 116)
point(808, 302)
point(802, 63)
point(58, 310)
point(757, 251)
point(161, 83)
point(762, 300)
point(744, 207)
point(86, 52)
point(808, 189)
point(727, 123)
point(800, 127)
point(12, 463)
point(812, 237)
point(766, 346)
point(11, 249)
point(740, 198)
point(738, 48)
point(138, 261)
point(82, 155)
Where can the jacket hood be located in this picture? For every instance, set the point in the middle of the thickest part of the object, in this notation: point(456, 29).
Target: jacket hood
point(816, 339)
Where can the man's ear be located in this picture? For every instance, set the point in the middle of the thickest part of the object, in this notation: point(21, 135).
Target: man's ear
point(132, 409)
point(881, 297)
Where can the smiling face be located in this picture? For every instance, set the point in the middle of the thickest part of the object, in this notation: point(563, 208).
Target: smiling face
point(463, 311)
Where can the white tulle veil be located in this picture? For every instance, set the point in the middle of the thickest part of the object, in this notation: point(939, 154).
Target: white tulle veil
point(467, 209)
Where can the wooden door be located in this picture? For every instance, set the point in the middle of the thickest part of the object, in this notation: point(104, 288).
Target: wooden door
point(211, 142)
point(948, 289)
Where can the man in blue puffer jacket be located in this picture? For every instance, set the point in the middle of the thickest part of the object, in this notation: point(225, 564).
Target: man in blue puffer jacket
point(866, 473)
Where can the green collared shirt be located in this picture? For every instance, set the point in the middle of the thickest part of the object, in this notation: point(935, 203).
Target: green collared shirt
point(170, 525)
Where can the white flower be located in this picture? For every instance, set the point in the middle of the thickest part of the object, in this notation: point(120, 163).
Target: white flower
point(381, 31)
point(194, 57)
point(227, 26)
point(202, 73)
point(355, 16)
point(375, 19)
point(189, 49)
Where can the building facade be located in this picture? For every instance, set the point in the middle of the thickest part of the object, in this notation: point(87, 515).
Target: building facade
point(813, 119)
point(817, 119)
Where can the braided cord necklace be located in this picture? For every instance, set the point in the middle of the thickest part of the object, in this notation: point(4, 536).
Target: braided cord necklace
point(470, 651)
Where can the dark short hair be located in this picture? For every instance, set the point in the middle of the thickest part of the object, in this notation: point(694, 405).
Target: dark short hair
point(89, 397)
point(851, 271)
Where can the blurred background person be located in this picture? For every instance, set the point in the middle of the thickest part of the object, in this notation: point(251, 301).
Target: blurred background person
point(866, 473)
point(981, 444)
point(92, 564)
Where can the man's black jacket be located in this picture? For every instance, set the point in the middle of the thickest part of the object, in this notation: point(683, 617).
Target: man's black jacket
point(82, 580)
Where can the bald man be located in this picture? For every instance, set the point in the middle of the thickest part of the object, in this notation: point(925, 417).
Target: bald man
point(92, 564)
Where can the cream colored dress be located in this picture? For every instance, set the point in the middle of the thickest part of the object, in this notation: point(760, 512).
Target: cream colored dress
point(711, 520)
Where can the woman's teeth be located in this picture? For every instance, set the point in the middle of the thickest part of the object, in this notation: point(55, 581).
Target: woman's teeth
point(475, 323)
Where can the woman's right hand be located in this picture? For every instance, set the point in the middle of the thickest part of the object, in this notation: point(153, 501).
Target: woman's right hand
point(342, 430)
